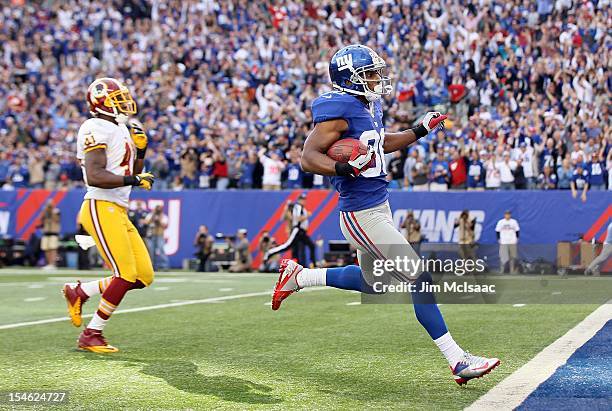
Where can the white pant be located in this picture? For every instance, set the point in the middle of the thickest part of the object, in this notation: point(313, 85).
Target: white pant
point(376, 239)
point(599, 261)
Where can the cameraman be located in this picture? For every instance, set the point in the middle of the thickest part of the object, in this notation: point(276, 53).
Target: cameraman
point(203, 243)
point(51, 228)
point(242, 255)
point(265, 243)
point(157, 222)
point(413, 231)
point(137, 217)
point(466, 226)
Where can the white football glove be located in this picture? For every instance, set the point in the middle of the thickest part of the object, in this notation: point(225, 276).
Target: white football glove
point(432, 119)
point(362, 162)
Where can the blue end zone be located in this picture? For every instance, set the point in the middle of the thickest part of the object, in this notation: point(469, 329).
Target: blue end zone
point(583, 383)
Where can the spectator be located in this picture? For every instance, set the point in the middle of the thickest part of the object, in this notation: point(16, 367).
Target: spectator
point(189, 163)
point(157, 222)
point(508, 72)
point(273, 168)
point(395, 169)
point(580, 182)
point(564, 175)
point(161, 170)
point(420, 176)
point(547, 180)
point(492, 173)
point(458, 171)
point(247, 171)
point(525, 155)
point(506, 169)
point(52, 175)
point(294, 172)
point(596, 169)
point(18, 174)
point(36, 171)
point(220, 172)
point(409, 164)
point(520, 181)
point(507, 230)
point(438, 180)
point(476, 172)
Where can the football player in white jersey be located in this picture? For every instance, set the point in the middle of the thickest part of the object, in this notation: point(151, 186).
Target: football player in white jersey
point(111, 147)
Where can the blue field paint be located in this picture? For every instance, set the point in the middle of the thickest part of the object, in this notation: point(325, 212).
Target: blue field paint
point(583, 383)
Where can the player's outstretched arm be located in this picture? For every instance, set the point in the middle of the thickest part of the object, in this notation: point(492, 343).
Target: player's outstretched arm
point(314, 158)
point(398, 141)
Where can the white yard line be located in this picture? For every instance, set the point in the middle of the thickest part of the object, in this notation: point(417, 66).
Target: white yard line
point(156, 307)
point(514, 389)
point(103, 273)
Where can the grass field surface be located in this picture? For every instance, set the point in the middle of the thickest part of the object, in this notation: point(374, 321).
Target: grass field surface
point(230, 350)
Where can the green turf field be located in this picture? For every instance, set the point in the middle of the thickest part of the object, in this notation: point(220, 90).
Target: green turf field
point(321, 350)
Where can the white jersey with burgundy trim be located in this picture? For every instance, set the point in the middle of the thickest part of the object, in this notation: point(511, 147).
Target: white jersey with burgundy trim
point(115, 140)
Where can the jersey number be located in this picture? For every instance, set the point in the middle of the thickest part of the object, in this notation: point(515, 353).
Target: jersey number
point(372, 138)
point(126, 162)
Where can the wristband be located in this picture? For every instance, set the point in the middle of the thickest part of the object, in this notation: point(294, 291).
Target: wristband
point(130, 181)
point(140, 153)
point(344, 169)
point(420, 131)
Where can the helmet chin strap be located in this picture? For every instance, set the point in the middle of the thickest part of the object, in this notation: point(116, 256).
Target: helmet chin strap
point(119, 117)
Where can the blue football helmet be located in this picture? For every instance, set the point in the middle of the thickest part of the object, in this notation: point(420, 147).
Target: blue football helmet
point(347, 70)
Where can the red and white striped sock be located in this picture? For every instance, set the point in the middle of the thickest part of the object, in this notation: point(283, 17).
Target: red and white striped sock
point(96, 287)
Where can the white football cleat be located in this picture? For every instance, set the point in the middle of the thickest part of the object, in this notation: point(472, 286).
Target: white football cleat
point(471, 366)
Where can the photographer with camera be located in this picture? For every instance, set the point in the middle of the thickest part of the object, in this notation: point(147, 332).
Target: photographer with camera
point(413, 231)
point(51, 228)
point(203, 243)
point(467, 238)
point(157, 222)
point(242, 255)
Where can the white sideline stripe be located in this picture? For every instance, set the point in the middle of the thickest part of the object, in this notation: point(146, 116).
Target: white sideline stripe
point(157, 307)
point(514, 389)
point(100, 272)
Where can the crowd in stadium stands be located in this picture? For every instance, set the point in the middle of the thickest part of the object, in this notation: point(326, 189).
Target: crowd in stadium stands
point(224, 88)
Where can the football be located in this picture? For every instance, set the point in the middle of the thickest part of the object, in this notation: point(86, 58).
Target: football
point(342, 150)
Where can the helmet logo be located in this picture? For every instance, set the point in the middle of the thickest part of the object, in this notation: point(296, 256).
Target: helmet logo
point(99, 90)
point(344, 62)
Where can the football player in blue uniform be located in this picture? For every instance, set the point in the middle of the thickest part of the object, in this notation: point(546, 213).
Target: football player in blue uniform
point(353, 110)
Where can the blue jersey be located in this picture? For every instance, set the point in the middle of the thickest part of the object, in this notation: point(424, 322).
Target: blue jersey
point(597, 173)
point(294, 176)
point(580, 179)
point(365, 123)
point(476, 174)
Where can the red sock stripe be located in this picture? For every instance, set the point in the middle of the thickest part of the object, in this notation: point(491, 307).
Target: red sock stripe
point(102, 314)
